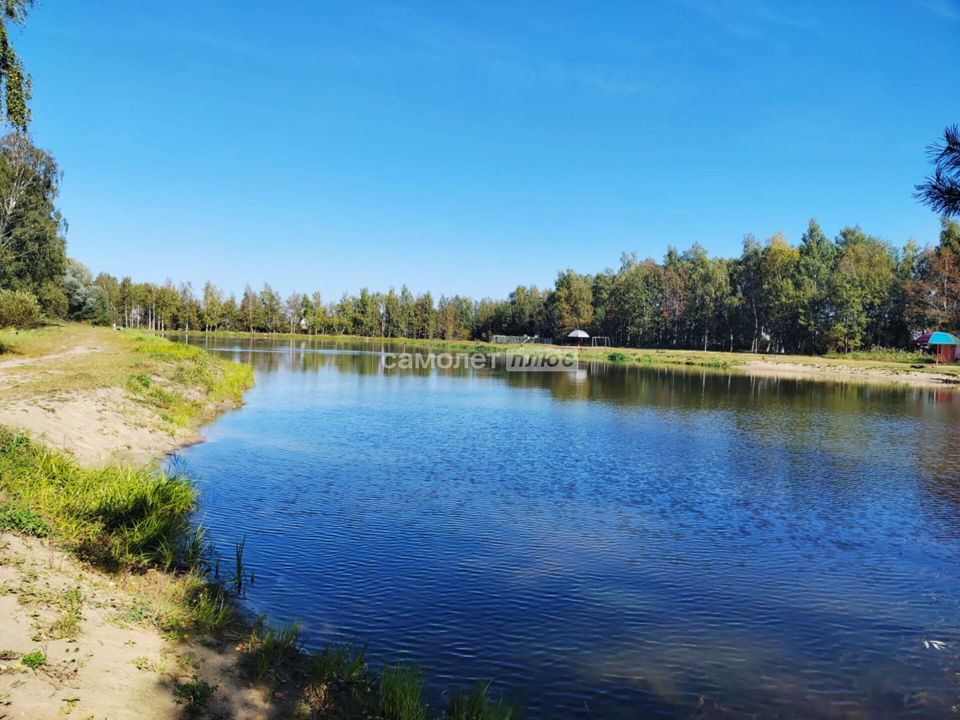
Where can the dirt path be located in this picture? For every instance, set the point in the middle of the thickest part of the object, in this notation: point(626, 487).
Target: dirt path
point(20, 362)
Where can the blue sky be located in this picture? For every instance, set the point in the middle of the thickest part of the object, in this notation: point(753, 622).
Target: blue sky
point(471, 146)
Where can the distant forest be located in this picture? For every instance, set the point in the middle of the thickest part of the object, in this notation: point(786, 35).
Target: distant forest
point(853, 291)
point(850, 292)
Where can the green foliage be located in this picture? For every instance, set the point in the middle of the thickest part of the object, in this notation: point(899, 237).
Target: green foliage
point(52, 299)
point(570, 306)
point(881, 354)
point(401, 692)
point(34, 660)
point(941, 190)
point(820, 295)
point(195, 694)
point(16, 84)
point(32, 245)
point(24, 521)
point(86, 299)
point(18, 309)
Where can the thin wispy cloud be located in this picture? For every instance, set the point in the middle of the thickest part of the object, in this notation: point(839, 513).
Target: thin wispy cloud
point(944, 8)
point(753, 17)
point(512, 62)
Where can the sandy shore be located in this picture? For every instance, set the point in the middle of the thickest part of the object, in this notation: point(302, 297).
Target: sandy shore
point(96, 427)
point(59, 396)
point(117, 664)
point(112, 661)
point(861, 372)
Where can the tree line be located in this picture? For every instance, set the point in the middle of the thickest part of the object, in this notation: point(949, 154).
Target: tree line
point(842, 293)
point(852, 291)
point(849, 292)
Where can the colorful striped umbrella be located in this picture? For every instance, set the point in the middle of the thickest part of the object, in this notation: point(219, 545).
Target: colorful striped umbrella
point(937, 338)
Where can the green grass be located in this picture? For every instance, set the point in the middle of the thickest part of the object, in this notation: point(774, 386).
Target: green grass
point(211, 610)
point(272, 650)
point(182, 385)
point(401, 693)
point(195, 694)
point(23, 521)
point(116, 518)
point(475, 704)
point(186, 379)
point(113, 516)
point(885, 355)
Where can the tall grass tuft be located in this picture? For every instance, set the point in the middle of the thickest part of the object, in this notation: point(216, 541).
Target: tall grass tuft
point(211, 610)
point(401, 692)
point(240, 575)
point(339, 662)
point(475, 704)
point(114, 517)
point(272, 649)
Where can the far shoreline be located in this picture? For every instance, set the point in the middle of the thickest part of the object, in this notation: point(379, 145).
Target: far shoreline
point(829, 369)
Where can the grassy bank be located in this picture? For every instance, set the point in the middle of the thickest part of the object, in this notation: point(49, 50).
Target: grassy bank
point(184, 384)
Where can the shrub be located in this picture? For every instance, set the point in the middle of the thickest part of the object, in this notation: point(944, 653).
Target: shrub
point(34, 660)
point(193, 694)
point(18, 309)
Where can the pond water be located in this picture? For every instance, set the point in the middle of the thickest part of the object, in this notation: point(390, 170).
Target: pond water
point(609, 543)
